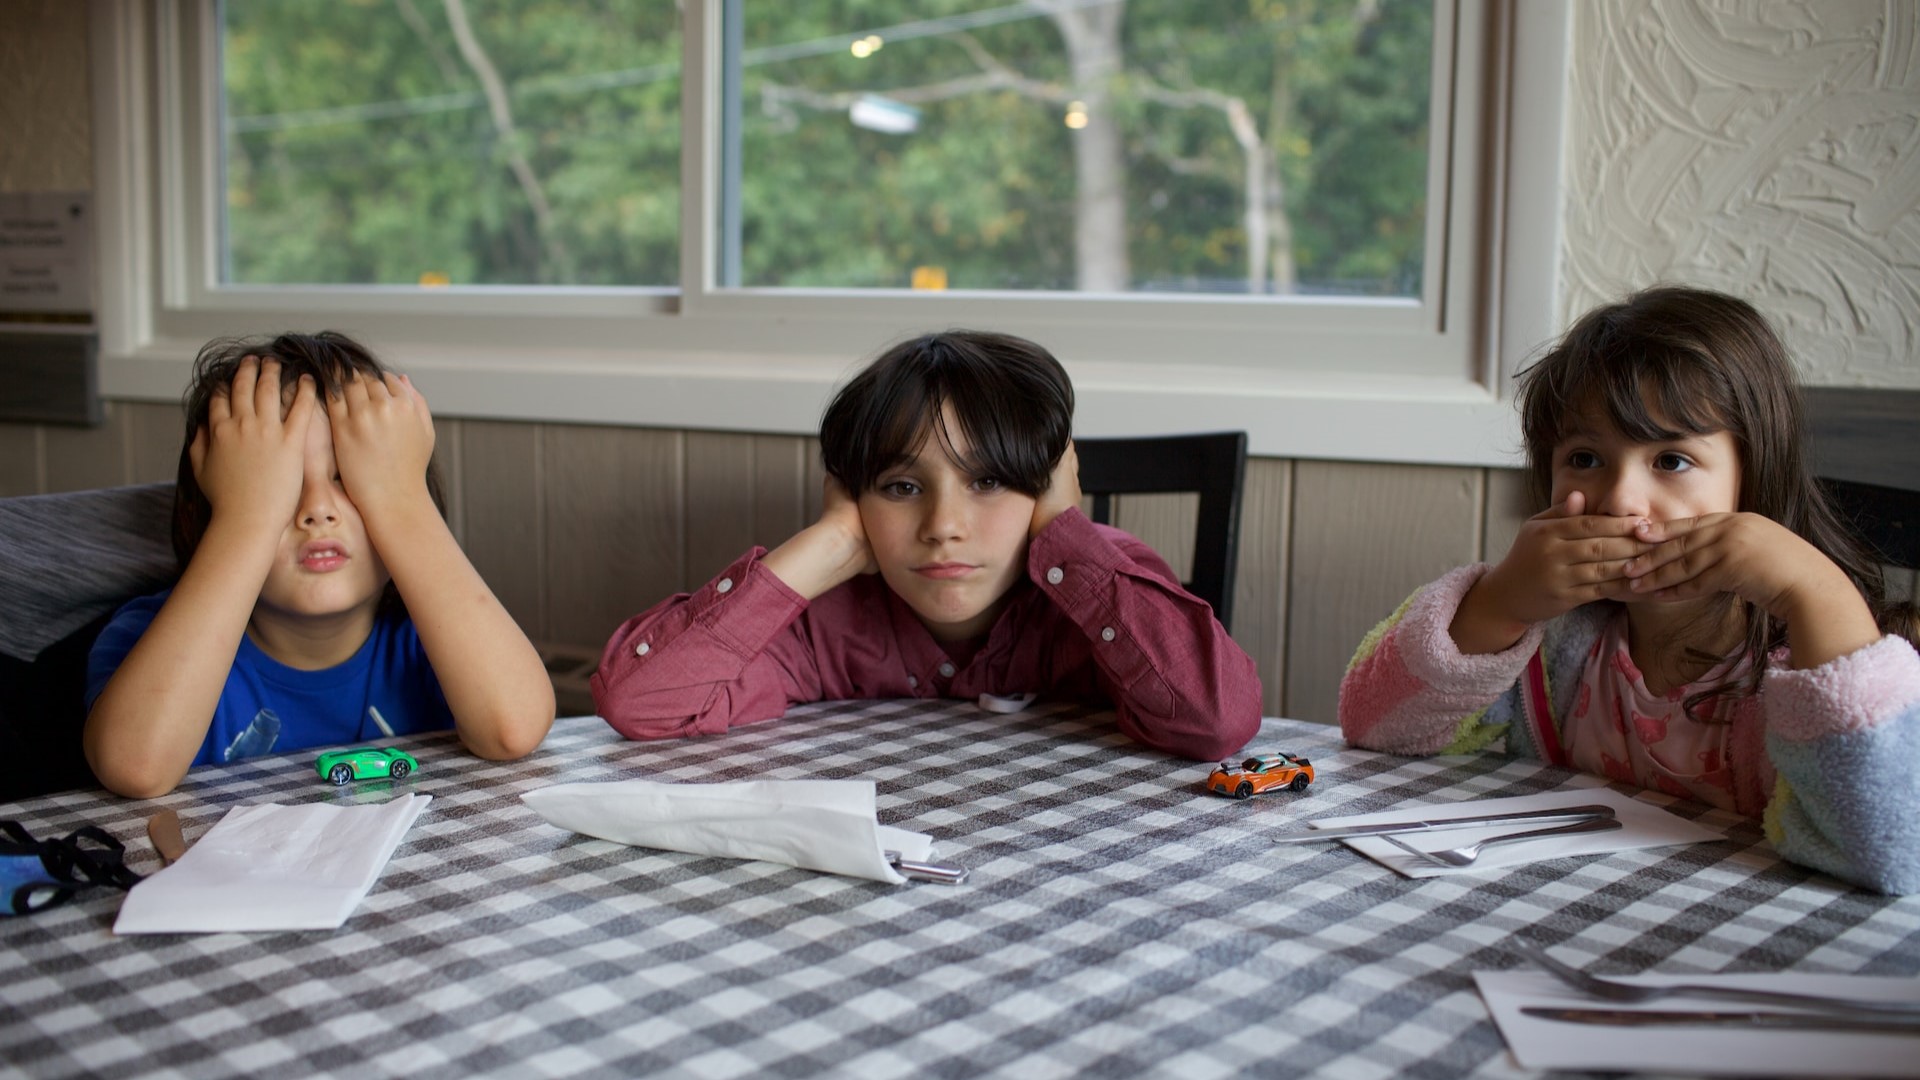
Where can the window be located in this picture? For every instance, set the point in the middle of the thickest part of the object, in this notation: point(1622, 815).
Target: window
point(697, 214)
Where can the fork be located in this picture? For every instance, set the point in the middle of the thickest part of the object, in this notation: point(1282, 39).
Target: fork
point(1467, 853)
point(1633, 993)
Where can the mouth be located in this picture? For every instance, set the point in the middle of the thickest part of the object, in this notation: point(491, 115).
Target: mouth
point(945, 571)
point(322, 556)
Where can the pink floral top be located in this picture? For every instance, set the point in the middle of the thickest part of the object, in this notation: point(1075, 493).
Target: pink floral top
point(1623, 731)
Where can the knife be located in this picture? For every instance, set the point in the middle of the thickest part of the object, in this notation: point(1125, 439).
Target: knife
point(1571, 813)
point(1763, 1020)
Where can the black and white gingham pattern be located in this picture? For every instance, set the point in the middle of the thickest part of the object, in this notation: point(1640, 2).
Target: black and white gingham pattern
point(1119, 922)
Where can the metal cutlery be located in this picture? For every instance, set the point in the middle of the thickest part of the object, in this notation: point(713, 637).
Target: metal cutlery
point(1563, 814)
point(1468, 854)
point(1629, 993)
point(939, 873)
point(1760, 1020)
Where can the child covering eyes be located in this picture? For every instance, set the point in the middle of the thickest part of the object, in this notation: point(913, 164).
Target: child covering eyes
point(322, 599)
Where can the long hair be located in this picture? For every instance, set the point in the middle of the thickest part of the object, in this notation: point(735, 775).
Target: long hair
point(333, 359)
point(1673, 361)
point(1011, 399)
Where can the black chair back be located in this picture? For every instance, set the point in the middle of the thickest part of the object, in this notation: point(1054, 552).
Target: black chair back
point(1212, 465)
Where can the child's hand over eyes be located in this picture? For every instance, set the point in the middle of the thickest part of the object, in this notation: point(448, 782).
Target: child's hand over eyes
point(1561, 558)
point(382, 440)
point(1062, 494)
point(248, 458)
point(1763, 563)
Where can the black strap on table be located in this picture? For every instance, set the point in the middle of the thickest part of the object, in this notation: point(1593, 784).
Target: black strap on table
point(87, 857)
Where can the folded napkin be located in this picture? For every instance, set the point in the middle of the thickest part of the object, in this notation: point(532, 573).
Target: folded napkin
point(1643, 825)
point(273, 867)
point(1541, 1043)
point(814, 824)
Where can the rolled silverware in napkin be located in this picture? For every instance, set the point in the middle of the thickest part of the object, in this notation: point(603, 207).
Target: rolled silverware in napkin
point(824, 825)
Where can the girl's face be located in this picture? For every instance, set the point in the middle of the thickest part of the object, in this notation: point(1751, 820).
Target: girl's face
point(325, 566)
point(949, 541)
point(1686, 477)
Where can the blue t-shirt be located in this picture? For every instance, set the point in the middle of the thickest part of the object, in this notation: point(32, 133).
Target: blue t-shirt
point(268, 707)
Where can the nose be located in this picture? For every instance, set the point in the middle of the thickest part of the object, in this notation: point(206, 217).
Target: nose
point(1621, 493)
point(946, 517)
point(318, 502)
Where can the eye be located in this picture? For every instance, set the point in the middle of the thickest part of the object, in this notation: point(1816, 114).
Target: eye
point(1672, 462)
point(988, 483)
point(1582, 459)
point(899, 489)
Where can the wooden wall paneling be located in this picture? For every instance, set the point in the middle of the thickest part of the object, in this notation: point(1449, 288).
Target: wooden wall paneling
point(1165, 522)
point(720, 485)
point(155, 433)
point(1364, 537)
point(501, 516)
point(22, 460)
point(780, 480)
point(1260, 581)
point(449, 457)
point(615, 525)
point(814, 486)
point(79, 458)
point(1508, 508)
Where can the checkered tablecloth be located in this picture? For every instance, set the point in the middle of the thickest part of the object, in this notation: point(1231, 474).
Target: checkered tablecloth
point(1119, 922)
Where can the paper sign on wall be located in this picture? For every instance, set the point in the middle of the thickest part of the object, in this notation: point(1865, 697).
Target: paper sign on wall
point(46, 253)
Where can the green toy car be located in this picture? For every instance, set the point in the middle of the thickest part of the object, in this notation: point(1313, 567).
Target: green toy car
point(366, 763)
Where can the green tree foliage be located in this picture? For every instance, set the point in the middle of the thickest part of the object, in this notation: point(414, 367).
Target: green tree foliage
point(361, 145)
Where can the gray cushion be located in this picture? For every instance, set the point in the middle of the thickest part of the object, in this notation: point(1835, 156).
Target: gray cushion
point(72, 557)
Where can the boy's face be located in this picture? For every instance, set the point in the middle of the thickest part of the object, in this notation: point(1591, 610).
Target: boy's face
point(325, 566)
point(951, 543)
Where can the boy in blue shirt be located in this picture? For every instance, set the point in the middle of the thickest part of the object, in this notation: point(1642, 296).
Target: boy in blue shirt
point(323, 599)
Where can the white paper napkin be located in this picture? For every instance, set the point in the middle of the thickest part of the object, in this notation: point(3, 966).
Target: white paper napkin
point(1540, 1043)
point(273, 867)
point(815, 824)
point(1643, 825)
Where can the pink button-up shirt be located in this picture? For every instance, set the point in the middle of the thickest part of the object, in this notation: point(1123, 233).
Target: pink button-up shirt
point(1099, 618)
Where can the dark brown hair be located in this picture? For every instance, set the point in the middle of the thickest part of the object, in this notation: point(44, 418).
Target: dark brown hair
point(333, 359)
point(1673, 361)
point(1010, 397)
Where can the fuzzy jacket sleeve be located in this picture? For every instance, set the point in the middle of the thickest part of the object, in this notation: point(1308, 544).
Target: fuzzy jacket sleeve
point(1844, 740)
point(1410, 690)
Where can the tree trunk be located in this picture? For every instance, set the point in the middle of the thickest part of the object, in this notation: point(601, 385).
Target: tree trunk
point(1092, 37)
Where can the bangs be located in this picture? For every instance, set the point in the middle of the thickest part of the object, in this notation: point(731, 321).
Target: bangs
point(1655, 402)
point(1011, 405)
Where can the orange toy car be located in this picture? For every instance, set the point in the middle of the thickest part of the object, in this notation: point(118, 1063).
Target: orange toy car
point(1268, 772)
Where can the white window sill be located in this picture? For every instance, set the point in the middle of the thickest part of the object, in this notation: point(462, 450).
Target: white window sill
point(1358, 418)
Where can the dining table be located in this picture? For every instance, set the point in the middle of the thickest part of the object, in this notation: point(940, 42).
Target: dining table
point(1118, 920)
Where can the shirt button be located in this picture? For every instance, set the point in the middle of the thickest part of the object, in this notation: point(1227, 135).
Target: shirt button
point(726, 585)
point(1054, 575)
point(946, 671)
point(1106, 633)
point(643, 649)
point(913, 682)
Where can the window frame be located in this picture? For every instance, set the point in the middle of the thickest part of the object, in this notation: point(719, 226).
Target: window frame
point(1417, 381)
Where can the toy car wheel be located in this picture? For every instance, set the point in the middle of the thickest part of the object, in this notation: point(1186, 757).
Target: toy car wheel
point(341, 773)
point(400, 769)
point(1300, 782)
point(1245, 790)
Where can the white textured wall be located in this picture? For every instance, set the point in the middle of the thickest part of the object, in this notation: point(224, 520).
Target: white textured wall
point(1769, 149)
point(46, 130)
